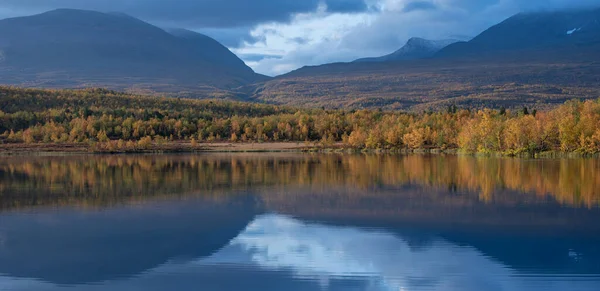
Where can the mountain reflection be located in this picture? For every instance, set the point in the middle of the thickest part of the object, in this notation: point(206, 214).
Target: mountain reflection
point(277, 252)
point(71, 246)
point(109, 180)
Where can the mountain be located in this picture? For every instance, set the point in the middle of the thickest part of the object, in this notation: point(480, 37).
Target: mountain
point(210, 49)
point(415, 48)
point(564, 30)
point(533, 59)
point(74, 48)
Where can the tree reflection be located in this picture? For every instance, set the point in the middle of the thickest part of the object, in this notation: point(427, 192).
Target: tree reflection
point(107, 180)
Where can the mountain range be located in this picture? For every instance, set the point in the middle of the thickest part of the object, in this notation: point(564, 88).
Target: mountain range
point(534, 59)
point(531, 58)
point(414, 49)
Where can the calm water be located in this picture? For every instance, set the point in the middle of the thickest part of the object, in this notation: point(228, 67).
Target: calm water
point(298, 222)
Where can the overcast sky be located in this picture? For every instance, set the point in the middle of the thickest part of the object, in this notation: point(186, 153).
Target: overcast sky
point(276, 36)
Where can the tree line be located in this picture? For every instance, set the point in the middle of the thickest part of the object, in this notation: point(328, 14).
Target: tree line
point(120, 121)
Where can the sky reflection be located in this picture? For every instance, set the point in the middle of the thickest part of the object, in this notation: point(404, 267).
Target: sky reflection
point(277, 252)
point(381, 260)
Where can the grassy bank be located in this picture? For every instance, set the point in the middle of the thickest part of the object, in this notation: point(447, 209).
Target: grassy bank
point(171, 147)
point(188, 147)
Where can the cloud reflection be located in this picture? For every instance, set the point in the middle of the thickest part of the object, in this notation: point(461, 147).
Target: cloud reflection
point(322, 253)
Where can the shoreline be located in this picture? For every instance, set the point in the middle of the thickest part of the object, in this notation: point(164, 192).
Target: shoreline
point(20, 149)
point(174, 147)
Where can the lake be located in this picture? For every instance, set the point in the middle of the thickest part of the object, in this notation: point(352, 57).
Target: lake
point(285, 221)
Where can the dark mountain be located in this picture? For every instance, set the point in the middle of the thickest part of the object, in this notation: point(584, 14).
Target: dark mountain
point(72, 48)
point(533, 31)
point(415, 48)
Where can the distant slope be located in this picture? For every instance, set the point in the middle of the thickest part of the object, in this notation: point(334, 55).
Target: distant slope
point(75, 48)
point(415, 48)
point(535, 59)
point(533, 31)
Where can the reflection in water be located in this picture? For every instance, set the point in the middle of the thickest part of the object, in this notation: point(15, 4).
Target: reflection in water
point(298, 222)
point(377, 259)
point(106, 180)
point(70, 246)
point(277, 252)
point(382, 260)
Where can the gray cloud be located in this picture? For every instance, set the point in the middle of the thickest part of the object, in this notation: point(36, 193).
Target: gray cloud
point(299, 40)
point(228, 21)
point(258, 57)
point(419, 5)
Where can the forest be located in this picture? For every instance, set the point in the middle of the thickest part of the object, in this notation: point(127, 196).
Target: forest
point(109, 121)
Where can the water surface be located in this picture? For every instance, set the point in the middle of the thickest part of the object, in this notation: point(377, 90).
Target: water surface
point(298, 222)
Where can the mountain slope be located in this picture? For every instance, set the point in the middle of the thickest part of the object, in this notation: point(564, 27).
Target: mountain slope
point(210, 49)
point(415, 48)
point(533, 31)
point(72, 48)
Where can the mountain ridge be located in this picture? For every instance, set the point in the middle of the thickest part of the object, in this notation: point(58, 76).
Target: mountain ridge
point(532, 31)
point(415, 48)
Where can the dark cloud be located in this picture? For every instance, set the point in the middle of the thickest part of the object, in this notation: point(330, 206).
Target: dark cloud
point(419, 5)
point(345, 6)
point(298, 40)
point(478, 5)
point(197, 13)
point(228, 21)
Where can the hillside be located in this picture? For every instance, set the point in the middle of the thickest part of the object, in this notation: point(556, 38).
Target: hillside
point(537, 59)
point(414, 49)
point(76, 48)
point(566, 30)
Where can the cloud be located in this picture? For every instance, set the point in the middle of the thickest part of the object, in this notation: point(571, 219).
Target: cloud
point(258, 57)
point(299, 40)
point(308, 39)
point(419, 5)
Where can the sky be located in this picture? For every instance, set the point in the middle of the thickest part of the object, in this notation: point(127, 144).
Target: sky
point(277, 36)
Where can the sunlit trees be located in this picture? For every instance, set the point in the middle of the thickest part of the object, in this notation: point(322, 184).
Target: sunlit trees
point(99, 116)
point(357, 139)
